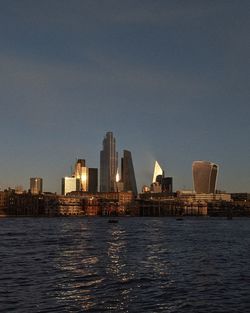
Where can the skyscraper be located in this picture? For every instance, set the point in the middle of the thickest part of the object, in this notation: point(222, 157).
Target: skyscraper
point(160, 183)
point(167, 184)
point(82, 173)
point(93, 180)
point(157, 171)
point(128, 174)
point(108, 163)
point(204, 176)
point(36, 185)
point(70, 184)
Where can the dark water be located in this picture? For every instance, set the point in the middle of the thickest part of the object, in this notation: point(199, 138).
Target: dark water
point(138, 265)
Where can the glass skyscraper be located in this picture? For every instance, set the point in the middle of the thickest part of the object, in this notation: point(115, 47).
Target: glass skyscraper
point(108, 164)
point(82, 173)
point(36, 185)
point(93, 180)
point(70, 184)
point(128, 173)
point(157, 171)
point(204, 176)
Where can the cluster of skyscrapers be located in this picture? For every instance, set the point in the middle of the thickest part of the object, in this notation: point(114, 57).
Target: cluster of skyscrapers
point(82, 179)
point(112, 190)
point(204, 179)
point(86, 179)
point(110, 180)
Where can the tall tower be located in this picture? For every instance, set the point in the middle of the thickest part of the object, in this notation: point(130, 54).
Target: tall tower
point(36, 185)
point(82, 173)
point(128, 173)
point(93, 180)
point(108, 164)
point(204, 176)
point(157, 171)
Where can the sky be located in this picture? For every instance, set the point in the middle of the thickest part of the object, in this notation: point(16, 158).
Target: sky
point(169, 78)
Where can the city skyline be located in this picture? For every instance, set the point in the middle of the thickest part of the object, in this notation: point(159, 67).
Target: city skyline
point(170, 79)
point(109, 162)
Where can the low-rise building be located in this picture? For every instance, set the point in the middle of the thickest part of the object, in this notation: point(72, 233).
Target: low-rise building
point(55, 205)
point(3, 202)
point(206, 197)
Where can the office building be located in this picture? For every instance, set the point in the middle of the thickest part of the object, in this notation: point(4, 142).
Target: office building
point(167, 184)
point(108, 164)
point(160, 183)
point(70, 184)
point(82, 173)
point(128, 173)
point(157, 171)
point(93, 180)
point(204, 176)
point(36, 185)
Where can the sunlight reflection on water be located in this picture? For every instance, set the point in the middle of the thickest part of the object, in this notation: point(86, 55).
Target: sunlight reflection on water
point(136, 265)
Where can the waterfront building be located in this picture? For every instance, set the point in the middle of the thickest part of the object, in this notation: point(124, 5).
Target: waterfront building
point(82, 173)
point(108, 164)
point(3, 202)
point(157, 171)
point(25, 204)
point(204, 176)
point(128, 173)
point(241, 196)
point(36, 185)
point(70, 184)
point(66, 206)
point(191, 196)
point(93, 180)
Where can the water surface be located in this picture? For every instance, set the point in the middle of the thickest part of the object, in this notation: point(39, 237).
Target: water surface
point(137, 265)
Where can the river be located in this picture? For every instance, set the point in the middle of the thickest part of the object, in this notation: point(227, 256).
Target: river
point(136, 265)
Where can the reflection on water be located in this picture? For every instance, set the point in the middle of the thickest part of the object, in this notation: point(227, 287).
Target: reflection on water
point(77, 263)
point(117, 268)
point(137, 265)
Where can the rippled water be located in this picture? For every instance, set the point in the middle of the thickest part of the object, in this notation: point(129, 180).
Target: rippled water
point(137, 265)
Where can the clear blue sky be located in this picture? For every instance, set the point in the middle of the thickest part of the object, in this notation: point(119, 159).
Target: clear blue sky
point(169, 78)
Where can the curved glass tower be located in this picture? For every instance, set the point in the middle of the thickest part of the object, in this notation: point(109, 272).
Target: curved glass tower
point(204, 176)
point(157, 171)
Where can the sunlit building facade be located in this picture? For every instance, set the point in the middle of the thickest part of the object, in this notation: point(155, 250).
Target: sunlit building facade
point(157, 172)
point(160, 183)
point(70, 184)
point(36, 185)
point(108, 164)
point(82, 173)
point(204, 176)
